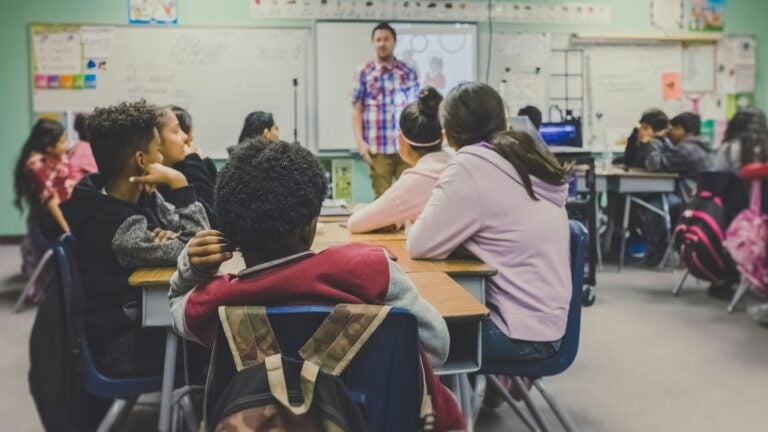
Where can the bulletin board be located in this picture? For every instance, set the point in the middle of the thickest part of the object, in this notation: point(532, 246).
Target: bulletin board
point(218, 74)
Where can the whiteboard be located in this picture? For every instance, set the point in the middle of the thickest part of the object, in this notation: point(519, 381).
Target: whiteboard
point(622, 82)
point(342, 47)
point(218, 74)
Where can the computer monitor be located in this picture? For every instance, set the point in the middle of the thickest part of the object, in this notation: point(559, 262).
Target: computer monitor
point(523, 124)
point(562, 134)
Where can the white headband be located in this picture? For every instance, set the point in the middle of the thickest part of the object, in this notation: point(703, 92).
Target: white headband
point(422, 145)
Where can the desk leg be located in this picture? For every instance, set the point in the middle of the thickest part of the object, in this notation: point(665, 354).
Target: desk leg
point(169, 375)
point(668, 226)
point(465, 401)
point(624, 229)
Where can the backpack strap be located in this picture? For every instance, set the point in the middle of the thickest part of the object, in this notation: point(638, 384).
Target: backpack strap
point(249, 334)
point(341, 335)
point(278, 388)
point(755, 197)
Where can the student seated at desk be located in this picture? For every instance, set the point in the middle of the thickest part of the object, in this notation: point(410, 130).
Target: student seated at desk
point(421, 142)
point(121, 224)
point(258, 124)
point(268, 199)
point(502, 198)
point(689, 153)
point(653, 127)
point(745, 141)
point(181, 154)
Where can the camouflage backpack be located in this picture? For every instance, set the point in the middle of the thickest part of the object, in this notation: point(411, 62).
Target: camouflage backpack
point(271, 392)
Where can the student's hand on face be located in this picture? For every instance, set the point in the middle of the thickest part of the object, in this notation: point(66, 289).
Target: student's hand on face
point(208, 249)
point(160, 235)
point(157, 174)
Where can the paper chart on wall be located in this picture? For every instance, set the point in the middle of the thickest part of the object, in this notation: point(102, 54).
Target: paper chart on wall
point(667, 14)
point(523, 89)
point(96, 41)
point(524, 52)
point(699, 68)
point(58, 53)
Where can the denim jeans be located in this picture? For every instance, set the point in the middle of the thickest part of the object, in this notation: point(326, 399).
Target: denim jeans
point(498, 347)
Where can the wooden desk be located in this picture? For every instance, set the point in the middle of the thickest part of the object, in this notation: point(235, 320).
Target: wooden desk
point(630, 182)
point(333, 234)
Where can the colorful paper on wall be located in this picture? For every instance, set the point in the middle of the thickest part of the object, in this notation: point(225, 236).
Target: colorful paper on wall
point(152, 12)
point(739, 101)
point(671, 86)
point(438, 10)
point(342, 179)
point(706, 15)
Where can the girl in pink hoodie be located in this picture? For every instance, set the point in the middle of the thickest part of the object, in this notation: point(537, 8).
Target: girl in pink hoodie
point(502, 198)
point(421, 142)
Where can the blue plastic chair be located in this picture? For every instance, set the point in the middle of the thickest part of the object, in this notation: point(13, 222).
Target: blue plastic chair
point(385, 375)
point(564, 357)
point(124, 391)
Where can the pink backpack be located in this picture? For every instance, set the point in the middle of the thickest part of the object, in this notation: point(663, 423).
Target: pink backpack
point(747, 241)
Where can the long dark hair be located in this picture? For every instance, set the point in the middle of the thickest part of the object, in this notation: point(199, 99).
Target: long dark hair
point(44, 135)
point(749, 126)
point(471, 113)
point(254, 125)
point(529, 159)
point(419, 122)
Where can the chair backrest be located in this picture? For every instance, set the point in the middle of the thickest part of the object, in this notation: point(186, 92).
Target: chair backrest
point(570, 341)
point(386, 371)
point(73, 294)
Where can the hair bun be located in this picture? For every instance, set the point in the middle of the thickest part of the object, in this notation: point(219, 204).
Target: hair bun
point(429, 102)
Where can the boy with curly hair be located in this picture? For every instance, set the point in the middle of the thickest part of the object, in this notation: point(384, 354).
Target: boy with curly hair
point(120, 224)
point(268, 200)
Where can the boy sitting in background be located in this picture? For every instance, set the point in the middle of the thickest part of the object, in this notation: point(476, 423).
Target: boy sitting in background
point(120, 224)
point(268, 200)
point(653, 127)
point(689, 154)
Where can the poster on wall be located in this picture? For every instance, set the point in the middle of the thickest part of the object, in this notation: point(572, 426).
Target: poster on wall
point(152, 12)
point(706, 15)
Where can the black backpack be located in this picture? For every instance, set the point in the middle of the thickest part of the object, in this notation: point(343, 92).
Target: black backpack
point(55, 378)
point(699, 234)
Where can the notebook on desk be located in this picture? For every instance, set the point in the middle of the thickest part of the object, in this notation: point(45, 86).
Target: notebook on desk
point(335, 208)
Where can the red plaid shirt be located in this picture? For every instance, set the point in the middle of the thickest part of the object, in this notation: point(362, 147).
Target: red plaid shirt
point(384, 91)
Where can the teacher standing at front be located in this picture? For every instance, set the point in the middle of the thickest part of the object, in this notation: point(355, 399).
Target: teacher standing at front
point(382, 89)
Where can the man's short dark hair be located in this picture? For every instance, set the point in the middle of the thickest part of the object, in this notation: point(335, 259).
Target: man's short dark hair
point(533, 114)
point(117, 132)
point(266, 193)
point(688, 121)
point(656, 119)
point(384, 26)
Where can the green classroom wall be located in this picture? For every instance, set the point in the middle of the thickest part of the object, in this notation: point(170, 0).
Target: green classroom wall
point(743, 17)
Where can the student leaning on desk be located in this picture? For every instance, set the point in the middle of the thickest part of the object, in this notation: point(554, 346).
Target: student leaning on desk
point(121, 224)
point(503, 199)
point(268, 199)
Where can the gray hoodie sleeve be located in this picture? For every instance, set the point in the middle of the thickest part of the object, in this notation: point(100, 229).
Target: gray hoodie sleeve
point(728, 157)
point(183, 282)
point(134, 246)
point(656, 159)
point(433, 331)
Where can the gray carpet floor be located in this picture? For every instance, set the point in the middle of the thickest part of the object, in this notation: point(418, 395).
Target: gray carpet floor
point(647, 361)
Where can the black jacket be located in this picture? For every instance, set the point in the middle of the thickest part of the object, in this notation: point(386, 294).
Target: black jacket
point(114, 238)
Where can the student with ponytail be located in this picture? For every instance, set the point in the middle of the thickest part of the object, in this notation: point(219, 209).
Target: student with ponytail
point(421, 142)
point(502, 198)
